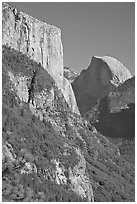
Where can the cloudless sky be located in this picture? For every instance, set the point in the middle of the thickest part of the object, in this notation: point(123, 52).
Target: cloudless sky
point(90, 28)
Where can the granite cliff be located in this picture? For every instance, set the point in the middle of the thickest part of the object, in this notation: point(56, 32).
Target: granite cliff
point(32, 98)
point(50, 153)
point(102, 76)
point(40, 41)
point(70, 74)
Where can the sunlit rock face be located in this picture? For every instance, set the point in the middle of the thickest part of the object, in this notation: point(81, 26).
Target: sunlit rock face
point(103, 74)
point(70, 74)
point(69, 96)
point(39, 41)
point(119, 73)
point(50, 153)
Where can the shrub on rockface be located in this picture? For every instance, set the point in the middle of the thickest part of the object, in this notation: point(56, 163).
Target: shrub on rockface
point(19, 63)
point(37, 141)
point(31, 139)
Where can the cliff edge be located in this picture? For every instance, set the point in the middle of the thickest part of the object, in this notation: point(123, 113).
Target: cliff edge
point(40, 41)
point(102, 76)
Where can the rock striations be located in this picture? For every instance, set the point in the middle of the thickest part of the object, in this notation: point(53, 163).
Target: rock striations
point(50, 153)
point(102, 75)
point(119, 73)
point(39, 41)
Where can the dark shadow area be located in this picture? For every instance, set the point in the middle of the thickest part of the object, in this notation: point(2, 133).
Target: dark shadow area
point(120, 124)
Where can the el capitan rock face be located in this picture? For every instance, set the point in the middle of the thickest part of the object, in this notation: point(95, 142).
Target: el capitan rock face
point(50, 154)
point(39, 41)
point(103, 74)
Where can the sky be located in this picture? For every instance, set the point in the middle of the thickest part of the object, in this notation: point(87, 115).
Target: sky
point(89, 29)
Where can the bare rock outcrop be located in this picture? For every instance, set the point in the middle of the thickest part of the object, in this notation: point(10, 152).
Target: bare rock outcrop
point(69, 95)
point(51, 154)
point(70, 74)
point(39, 41)
point(102, 76)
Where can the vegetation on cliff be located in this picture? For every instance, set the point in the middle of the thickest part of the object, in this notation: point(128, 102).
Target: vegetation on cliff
point(49, 153)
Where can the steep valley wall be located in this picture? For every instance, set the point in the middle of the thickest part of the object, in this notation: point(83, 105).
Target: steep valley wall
point(39, 41)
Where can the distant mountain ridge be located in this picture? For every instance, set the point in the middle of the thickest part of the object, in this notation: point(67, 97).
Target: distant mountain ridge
point(51, 152)
point(48, 151)
point(102, 76)
point(114, 117)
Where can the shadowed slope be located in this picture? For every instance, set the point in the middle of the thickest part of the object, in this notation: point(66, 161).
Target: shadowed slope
point(102, 76)
point(49, 153)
